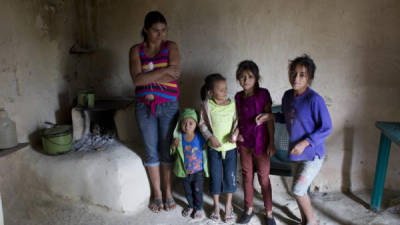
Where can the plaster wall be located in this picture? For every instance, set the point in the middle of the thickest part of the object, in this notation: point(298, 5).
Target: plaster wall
point(35, 39)
point(354, 43)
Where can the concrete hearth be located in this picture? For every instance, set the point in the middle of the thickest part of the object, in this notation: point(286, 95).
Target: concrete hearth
point(113, 178)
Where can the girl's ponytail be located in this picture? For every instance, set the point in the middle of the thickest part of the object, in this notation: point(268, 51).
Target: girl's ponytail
point(203, 92)
point(208, 85)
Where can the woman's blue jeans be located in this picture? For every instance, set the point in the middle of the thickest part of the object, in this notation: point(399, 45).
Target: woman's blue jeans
point(156, 131)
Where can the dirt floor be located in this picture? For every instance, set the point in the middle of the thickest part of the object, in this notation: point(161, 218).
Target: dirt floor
point(336, 208)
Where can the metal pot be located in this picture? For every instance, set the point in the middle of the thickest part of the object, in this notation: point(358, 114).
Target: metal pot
point(57, 139)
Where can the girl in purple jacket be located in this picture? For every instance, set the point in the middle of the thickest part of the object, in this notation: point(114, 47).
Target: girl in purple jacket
point(309, 124)
point(256, 138)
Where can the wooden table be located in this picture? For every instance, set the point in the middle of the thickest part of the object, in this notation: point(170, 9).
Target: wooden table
point(390, 131)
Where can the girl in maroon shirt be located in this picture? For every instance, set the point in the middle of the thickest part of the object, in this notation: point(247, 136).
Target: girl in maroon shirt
point(256, 137)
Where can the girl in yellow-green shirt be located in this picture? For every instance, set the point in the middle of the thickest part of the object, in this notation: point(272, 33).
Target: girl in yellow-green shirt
point(218, 125)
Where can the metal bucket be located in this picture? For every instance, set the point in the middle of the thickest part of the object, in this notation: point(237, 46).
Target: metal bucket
point(57, 140)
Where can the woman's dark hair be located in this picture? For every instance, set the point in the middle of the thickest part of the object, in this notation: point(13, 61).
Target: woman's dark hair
point(150, 19)
point(305, 61)
point(248, 65)
point(209, 83)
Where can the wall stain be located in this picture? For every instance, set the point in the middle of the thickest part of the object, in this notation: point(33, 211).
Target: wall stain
point(87, 31)
point(49, 15)
point(17, 84)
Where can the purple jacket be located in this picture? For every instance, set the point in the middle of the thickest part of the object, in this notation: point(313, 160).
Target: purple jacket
point(306, 117)
point(255, 137)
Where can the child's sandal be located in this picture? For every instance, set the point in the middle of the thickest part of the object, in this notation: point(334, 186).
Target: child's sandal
point(186, 212)
point(214, 217)
point(197, 214)
point(229, 217)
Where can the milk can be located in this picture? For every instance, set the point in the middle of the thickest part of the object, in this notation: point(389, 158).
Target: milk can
point(8, 131)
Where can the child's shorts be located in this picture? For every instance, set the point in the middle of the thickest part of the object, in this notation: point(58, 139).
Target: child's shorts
point(305, 173)
point(222, 171)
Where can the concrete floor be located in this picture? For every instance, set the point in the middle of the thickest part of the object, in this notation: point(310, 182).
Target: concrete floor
point(337, 208)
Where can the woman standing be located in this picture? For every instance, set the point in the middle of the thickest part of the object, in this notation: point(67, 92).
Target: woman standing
point(154, 67)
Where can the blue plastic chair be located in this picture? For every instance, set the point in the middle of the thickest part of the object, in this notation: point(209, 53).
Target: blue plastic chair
point(280, 163)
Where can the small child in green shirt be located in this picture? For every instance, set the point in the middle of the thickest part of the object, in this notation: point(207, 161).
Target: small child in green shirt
point(191, 162)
